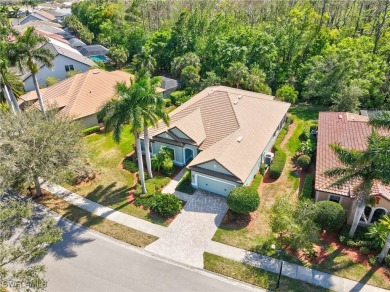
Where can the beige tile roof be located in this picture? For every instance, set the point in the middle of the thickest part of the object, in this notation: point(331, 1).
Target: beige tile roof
point(351, 131)
point(185, 125)
point(83, 94)
point(36, 23)
point(45, 14)
point(226, 114)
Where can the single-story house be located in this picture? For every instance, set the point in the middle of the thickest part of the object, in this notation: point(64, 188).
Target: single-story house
point(169, 85)
point(38, 15)
point(80, 96)
point(350, 131)
point(222, 135)
point(66, 59)
point(60, 13)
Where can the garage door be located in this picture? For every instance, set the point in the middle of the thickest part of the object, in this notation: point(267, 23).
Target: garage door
point(214, 186)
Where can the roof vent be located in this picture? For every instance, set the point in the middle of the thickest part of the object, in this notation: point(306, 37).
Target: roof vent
point(340, 117)
point(96, 72)
point(211, 91)
point(240, 96)
point(236, 101)
point(239, 139)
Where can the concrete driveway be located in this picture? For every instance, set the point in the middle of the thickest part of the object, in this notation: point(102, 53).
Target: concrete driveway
point(88, 261)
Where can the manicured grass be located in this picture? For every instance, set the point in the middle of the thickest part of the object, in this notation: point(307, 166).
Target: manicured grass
point(97, 223)
point(254, 276)
point(111, 186)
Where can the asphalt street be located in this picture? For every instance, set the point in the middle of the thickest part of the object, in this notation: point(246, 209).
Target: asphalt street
point(88, 261)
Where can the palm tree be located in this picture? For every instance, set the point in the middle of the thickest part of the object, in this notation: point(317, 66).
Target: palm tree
point(381, 121)
point(153, 109)
point(385, 223)
point(144, 60)
point(29, 53)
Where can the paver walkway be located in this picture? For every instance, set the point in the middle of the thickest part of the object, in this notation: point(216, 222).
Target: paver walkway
point(290, 270)
point(105, 212)
point(186, 238)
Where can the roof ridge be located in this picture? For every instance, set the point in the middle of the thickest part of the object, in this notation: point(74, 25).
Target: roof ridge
point(76, 85)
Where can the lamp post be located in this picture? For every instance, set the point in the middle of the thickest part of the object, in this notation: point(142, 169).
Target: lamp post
point(280, 253)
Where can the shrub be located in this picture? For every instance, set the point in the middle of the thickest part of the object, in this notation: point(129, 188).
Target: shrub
point(176, 96)
point(305, 133)
point(256, 181)
point(91, 130)
point(159, 182)
point(167, 167)
point(289, 121)
point(243, 200)
point(51, 80)
point(364, 250)
point(166, 205)
point(146, 202)
point(279, 139)
point(262, 169)
point(307, 189)
point(304, 161)
point(277, 165)
point(129, 165)
point(287, 93)
point(372, 261)
point(167, 102)
point(329, 216)
point(184, 185)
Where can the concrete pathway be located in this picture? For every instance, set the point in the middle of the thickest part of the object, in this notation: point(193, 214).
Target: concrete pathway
point(186, 238)
point(290, 270)
point(105, 212)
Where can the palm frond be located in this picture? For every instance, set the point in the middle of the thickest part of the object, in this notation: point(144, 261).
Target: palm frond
point(382, 120)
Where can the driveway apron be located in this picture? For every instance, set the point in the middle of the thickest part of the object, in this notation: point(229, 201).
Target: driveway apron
point(187, 237)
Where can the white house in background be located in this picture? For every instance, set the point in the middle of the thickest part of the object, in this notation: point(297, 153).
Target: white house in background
point(38, 15)
point(80, 96)
point(66, 59)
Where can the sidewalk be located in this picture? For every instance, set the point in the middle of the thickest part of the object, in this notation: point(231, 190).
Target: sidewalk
point(105, 212)
point(290, 270)
point(189, 235)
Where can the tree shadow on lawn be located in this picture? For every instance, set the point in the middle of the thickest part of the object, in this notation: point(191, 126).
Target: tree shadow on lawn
point(109, 196)
point(365, 278)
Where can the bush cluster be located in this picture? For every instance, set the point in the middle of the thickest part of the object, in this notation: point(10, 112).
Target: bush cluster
point(262, 169)
point(184, 185)
point(153, 186)
point(307, 189)
point(178, 97)
point(360, 238)
point(329, 215)
point(129, 165)
point(304, 161)
point(91, 130)
point(256, 181)
point(166, 205)
point(243, 200)
point(277, 165)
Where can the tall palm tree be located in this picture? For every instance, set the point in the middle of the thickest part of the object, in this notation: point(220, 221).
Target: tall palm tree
point(28, 53)
point(144, 60)
point(153, 109)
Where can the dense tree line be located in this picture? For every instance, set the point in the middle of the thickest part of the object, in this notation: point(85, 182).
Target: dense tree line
point(330, 52)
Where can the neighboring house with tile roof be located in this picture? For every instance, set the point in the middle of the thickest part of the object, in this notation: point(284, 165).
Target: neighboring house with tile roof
point(221, 134)
point(81, 96)
point(38, 15)
point(350, 131)
point(66, 59)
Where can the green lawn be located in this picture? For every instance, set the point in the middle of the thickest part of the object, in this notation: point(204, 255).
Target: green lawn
point(254, 276)
point(111, 186)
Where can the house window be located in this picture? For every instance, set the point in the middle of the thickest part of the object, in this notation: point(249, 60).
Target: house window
point(366, 214)
point(334, 198)
point(69, 68)
point(378, 213)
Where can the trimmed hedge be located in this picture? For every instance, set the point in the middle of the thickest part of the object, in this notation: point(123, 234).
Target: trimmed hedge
point(184, 185)
point(257, 181)
point(304, 161)
point(329, 216)
point(243, 200)
point(166, 205)
point(129, 165)
point(277, 165)
point(262, 169)
point(91, 130)
point(279, 139)
point(307, 188)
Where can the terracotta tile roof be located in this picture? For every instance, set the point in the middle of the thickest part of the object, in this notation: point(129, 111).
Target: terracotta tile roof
point(350, 131)
point(227, 114)
point(83, 94)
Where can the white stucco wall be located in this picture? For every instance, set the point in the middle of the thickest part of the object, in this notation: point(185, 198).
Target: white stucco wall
point(57, 71)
